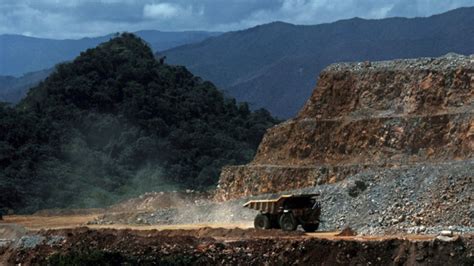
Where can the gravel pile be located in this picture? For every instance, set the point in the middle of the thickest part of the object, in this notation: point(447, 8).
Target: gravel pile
point(446, 62)
point(416, 199)
point(30, 241)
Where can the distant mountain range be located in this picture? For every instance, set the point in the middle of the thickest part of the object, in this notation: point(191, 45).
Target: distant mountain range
point(21, 54)
point(13, 89)
point(276, 65)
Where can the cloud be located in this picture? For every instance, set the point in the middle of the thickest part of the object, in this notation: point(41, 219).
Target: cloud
point(80, 18)
point(161, 10)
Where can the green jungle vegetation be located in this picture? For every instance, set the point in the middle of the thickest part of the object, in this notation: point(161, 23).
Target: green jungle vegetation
point(115, 123)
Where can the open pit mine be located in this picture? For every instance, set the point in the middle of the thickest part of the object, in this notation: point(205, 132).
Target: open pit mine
point(388, 147)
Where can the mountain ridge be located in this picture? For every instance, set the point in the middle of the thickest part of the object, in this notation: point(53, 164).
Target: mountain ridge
point(294, 54)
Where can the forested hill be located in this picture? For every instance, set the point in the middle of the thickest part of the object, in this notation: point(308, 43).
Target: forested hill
point(115, 123)
point(21, 54)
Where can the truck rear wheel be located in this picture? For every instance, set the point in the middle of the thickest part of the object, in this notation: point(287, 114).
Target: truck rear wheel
point(310, 227)
point(288, 222)
point(261, 222)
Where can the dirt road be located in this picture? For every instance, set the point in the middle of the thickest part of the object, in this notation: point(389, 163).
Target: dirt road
point(39, 222)
point(245, 229)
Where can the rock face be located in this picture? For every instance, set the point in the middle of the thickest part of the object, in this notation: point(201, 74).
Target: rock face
point(366, 116)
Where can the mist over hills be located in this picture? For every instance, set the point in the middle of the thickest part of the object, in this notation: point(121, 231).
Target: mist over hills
point(13, 89)
point(276, 65)
point(21, 54)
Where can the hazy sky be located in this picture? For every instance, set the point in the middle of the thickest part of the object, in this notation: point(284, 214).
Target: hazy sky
point(78, 18)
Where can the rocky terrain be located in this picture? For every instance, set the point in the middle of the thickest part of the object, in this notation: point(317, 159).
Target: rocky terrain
point(361, 116)
point(390, 145)
point(226, 247)
point(401, 163)
point(423, 199)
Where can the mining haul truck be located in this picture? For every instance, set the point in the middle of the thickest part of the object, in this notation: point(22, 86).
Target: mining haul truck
point(287, 212)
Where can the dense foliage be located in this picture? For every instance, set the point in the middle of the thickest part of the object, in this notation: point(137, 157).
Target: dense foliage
point(115, 123)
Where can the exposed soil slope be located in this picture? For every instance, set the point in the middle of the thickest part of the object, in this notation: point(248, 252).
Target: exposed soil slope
point(388, 145)
point(366, 116)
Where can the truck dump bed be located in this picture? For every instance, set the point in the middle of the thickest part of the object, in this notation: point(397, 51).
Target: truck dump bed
point(273, 205)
